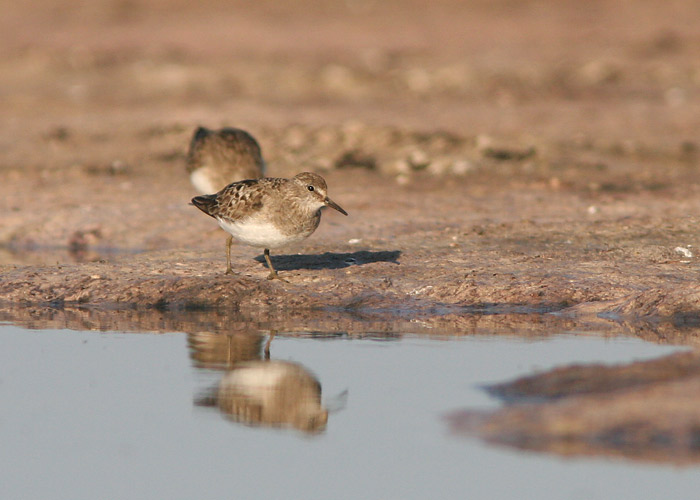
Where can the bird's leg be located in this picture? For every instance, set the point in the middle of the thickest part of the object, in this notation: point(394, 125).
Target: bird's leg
point(273, 274)
point(229, 351)
point(267, 345)
point(228, 255)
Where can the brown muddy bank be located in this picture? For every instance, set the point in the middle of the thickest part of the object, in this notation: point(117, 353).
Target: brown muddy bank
point(534, 172)
point(642, 411)
point(434, 247)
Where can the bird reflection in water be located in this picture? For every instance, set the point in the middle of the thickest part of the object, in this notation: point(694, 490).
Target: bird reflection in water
point(273, 394)
point(222, 351)
point(256, 391)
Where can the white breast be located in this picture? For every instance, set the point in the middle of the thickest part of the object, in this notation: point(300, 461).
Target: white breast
point(258, 234)
point(201, 180)
point(258, 376)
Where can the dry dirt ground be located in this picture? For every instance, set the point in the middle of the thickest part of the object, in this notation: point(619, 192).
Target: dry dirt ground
point(499, 160)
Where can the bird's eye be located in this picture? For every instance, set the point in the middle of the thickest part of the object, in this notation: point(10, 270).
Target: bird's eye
point(310, 188)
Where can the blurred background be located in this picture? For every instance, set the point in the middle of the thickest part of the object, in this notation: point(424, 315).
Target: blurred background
point(627, 70)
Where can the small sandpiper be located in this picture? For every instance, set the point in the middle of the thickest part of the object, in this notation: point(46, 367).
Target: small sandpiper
point(268, 212)
point(218, 157)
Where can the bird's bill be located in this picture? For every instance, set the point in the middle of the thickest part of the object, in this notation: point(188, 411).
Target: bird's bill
point(333, 204)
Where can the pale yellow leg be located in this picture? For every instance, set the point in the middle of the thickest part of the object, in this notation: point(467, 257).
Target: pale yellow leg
point(273, 274)
point(267, 345)
point(229, 240)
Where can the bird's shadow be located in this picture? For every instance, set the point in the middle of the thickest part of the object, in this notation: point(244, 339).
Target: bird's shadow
point(331, 260)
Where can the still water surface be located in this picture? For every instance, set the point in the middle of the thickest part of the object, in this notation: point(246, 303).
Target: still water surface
point(90, 415)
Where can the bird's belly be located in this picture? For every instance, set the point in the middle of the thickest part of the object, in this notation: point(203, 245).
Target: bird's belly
point(202, 180)
point(260, 234)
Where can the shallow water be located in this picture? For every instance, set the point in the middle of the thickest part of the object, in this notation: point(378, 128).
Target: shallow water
point(88, 415)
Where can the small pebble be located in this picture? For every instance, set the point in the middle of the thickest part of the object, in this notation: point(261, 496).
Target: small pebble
point(684, 252)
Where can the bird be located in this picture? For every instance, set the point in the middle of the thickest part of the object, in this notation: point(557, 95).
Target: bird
point(218, 157)
point(271, 394)
point(270, 212)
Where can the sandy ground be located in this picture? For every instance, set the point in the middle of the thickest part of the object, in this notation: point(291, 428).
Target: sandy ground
point(504, 157)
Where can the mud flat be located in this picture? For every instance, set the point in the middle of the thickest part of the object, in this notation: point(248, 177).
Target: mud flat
point(642, 411)
point(430, 248)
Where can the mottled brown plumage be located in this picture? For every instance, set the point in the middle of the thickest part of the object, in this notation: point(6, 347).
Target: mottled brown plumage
point(272, 394)
point(269, 212)
point(219, 157)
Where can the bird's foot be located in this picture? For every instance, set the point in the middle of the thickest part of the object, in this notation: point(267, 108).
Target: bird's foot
point(274, 276)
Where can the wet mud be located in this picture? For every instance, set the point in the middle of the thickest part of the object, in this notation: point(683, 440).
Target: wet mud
point(643, 411)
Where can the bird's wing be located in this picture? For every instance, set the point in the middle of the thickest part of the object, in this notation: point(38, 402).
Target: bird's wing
point(244, 198)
